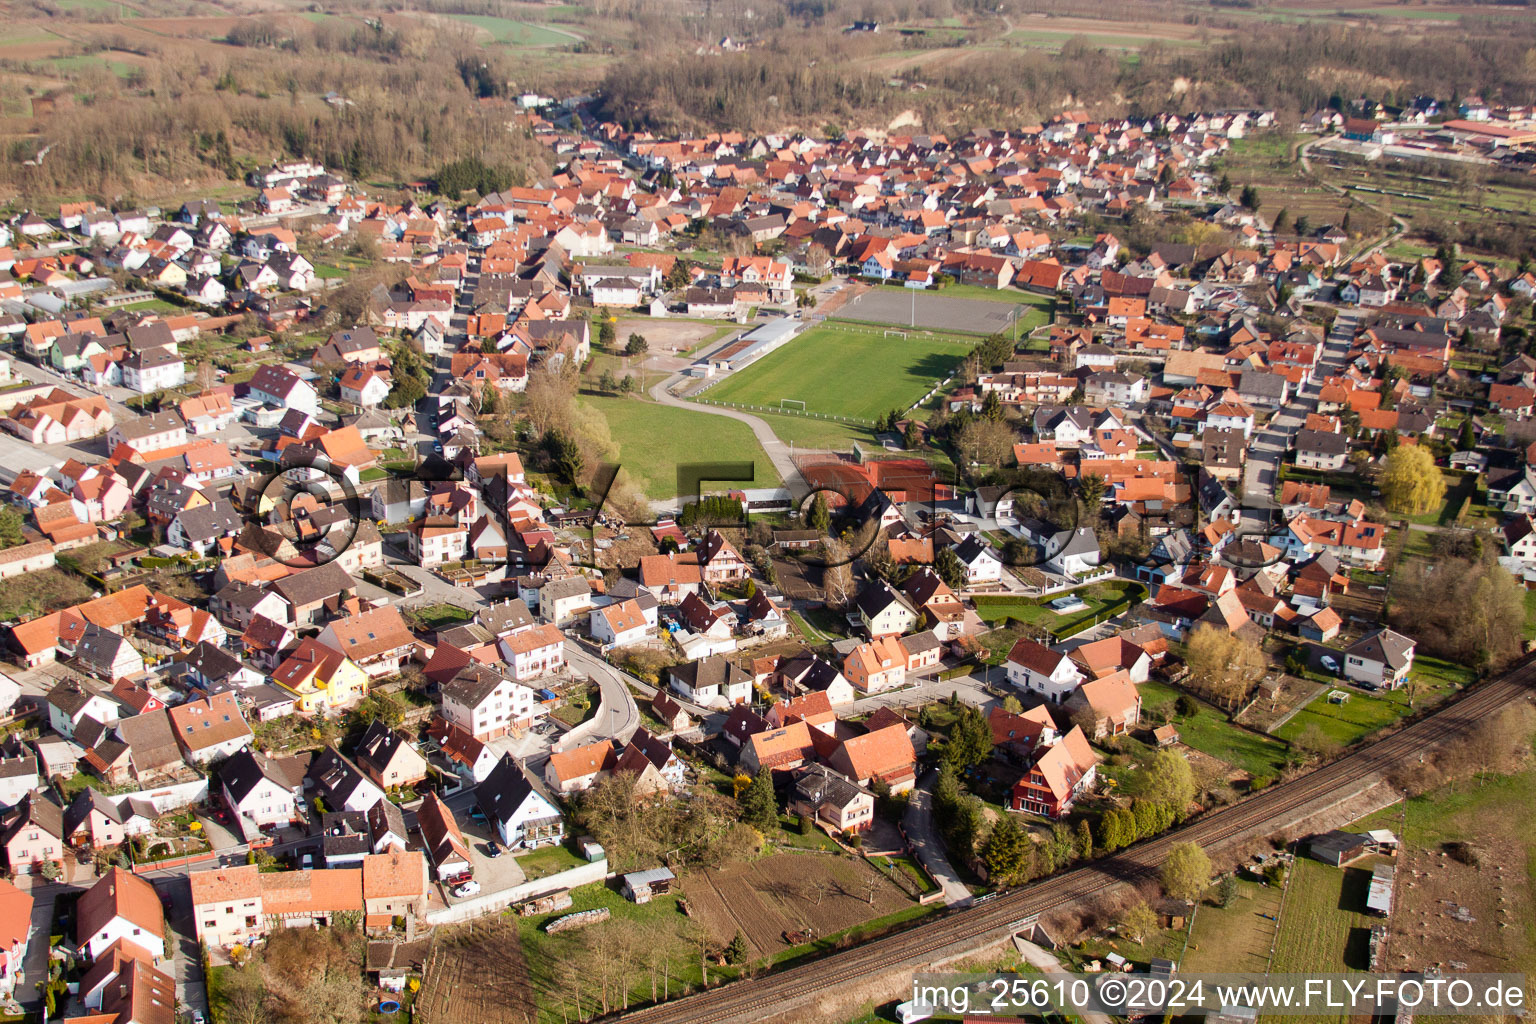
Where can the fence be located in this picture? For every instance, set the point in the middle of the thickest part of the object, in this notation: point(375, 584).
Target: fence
point(493, 902)
point(144, 867)
point(787, 412)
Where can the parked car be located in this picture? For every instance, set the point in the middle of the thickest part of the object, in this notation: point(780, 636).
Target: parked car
point(1329, 662)
point(469, 888)
point(493, 850)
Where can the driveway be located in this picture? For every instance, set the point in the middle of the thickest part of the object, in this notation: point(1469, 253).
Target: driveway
point(927, 845)
point(35, 967)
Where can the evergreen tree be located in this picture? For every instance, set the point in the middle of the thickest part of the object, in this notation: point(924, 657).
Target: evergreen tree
point(1004, 851)
point(759, 805)
point(736, 951)
point(950, 569)
point(970, 739)
point(820, 516)
point(1468, 435)
point(1084, 839)
point(10, 527)
point(637, 345)
point(607, 383)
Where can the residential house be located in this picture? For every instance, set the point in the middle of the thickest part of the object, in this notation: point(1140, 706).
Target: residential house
point(711, 681)
point(880, 664)
point(1060, 775)
point(442, 839)
point(1033, 666)
point(1112, 700)
point(120, 906)
point(577, 769)
point(33, 832)
point(389, 758)
point(836, 801)
point(1379, 660)
point(485, 703)
point(262, 791)
point(522, 817)
point(210, 728)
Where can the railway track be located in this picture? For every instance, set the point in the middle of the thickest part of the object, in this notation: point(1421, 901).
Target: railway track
point(760, 997)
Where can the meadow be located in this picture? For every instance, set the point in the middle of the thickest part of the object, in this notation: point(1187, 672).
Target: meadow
point(653, 440)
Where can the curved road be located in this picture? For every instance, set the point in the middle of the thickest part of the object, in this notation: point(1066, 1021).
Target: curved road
point(776, 450)
point(617, 714)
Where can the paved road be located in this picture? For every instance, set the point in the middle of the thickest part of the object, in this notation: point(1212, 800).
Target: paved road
point(927, 845)
point(1046, 962)
point(617, 714)
point(778, 452)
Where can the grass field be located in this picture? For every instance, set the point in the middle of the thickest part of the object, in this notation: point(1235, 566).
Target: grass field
point(516, 33)
point(1236, 937)
point(1323, 926)
point(1209, 732)
point(653, 440)
point(1366, 713)
point(843, 371)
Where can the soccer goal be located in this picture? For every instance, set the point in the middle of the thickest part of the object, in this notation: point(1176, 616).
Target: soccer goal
point(895, 334)
point(785, 403)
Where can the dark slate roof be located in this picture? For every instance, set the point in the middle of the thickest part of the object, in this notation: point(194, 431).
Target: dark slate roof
point(1390, 648)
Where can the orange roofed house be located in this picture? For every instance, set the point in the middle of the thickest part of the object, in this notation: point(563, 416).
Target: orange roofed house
point(233, 905)
point(1065, 771)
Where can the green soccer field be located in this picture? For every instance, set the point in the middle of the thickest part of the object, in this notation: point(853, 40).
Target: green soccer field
point(844, 371)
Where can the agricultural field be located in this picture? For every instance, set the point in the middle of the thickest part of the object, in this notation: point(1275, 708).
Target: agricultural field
point(476, 973)
point(652, 440)
point(856, 372)
point(1492, 815)
point(786, 893)
point(510, 32)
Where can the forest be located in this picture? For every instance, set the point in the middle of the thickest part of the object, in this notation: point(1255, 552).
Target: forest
point(399, 95)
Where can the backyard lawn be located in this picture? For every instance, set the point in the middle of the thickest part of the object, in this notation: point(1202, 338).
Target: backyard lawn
point(549, 860)
point(652, 440)
point(1236, 937)
point(858, 372)
point(1209, 732)
point(1021, 616)
point(1365, 713)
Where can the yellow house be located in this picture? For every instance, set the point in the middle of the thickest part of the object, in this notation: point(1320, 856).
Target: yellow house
point(323, 680)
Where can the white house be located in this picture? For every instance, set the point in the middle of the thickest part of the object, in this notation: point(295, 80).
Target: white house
point(1381, 660)
point(72, 701)
point(121, 905)
point(261, 791)
point(534, 652)
point(486, 704)
point(522, 817)
point(622, 623)
point(982, 565)
point(711, 681)
point(1033, 666)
